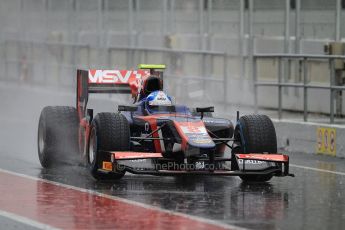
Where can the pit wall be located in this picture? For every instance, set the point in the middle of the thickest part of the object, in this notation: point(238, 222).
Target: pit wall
point(310, 137)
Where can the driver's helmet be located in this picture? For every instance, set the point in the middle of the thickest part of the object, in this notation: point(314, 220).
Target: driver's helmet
point(151, 84)
point(156, 99)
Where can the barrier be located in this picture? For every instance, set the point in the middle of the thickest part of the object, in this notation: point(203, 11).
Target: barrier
point(305, 85)
point(50, 63)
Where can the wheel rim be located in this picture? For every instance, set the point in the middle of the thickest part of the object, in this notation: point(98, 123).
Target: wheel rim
point(41, 139)
point(92, 148)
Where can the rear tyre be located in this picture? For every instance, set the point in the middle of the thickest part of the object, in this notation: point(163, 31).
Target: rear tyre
point(110, 132)
point(255, 134)
point(57, 138)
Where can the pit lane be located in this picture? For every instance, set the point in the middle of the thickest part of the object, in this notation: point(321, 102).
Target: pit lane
point(314, 199)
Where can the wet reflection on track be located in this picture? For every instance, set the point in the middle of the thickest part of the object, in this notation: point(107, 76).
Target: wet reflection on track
point(311, 200)
point(223, 199)
point(59, 206)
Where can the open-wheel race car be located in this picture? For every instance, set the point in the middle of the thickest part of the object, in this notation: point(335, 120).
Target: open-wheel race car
point(154, 136)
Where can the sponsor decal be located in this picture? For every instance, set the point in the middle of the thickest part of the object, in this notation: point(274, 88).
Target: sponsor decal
point(215, 121)
point(202, 141)
point(197, 135)
point(326, 141)
point(160, 98)
point(253, 162)
point(106, 165)
point(332, 140)
point(116, 76)
point(263, 157)
point(319, 139)
point(131, 155)
point(192, 129)
point(138, 160)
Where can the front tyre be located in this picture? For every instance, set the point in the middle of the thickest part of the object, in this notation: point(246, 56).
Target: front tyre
point(110, 132)
point(255, 134)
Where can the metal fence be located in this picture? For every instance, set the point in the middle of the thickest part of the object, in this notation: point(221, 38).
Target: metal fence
point(332, 87)
point(55, 64)
point(208, 45)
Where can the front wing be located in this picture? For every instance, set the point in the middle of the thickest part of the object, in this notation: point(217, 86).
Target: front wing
point(156, 164)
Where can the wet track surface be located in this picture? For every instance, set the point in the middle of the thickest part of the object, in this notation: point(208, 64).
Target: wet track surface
point(314, 199)
point(311, 200)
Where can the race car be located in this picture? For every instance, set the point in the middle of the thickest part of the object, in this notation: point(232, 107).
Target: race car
point(153, 135)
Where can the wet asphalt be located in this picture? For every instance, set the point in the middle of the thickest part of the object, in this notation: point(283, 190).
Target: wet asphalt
point(313, 199)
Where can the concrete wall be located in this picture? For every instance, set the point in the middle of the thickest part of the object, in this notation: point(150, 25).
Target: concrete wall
point(302, 136)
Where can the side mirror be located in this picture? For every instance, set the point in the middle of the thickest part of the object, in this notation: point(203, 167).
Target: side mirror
point(127, 108)
point(205, 110)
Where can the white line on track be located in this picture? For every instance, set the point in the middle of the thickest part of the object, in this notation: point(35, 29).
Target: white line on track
point(318, 170)
point(150, 207)
point(25, 220)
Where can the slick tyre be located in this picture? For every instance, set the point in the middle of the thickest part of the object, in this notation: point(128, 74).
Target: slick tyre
point(110, 132)
point(255, 134)
point(57, 138)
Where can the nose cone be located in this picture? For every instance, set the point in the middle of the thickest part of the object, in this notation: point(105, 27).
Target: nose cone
point(201, 141)
point(194, 134)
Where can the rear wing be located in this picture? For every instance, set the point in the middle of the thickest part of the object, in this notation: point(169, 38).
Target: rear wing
point(112, 81)
point(107, 81)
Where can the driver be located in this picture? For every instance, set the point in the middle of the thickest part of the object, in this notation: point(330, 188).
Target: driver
point(152, 94)
point(156, 100)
